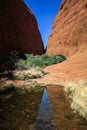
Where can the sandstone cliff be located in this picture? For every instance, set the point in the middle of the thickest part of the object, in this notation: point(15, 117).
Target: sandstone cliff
point(18, 28)
point(68, 37)
point(69, 31)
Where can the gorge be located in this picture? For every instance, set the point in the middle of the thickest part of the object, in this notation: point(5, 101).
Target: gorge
point(46, 96)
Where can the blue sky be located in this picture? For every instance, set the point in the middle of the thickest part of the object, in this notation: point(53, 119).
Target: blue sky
point(45, 12)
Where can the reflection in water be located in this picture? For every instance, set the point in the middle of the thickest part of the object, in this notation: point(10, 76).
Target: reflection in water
point(64, 116)
point(18, 109)
point(25, 110)
point(45, 118)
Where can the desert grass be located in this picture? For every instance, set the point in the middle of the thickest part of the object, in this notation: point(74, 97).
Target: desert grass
point(77, 92)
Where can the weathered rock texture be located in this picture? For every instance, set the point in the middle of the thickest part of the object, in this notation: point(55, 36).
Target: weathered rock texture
point(18, 28)
point(68, 37)
point(69, 31)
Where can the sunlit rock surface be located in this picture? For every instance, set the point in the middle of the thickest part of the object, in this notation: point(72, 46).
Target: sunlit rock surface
point(69, 31)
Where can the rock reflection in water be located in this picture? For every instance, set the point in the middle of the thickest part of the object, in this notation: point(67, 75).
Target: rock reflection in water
point(45, 118)
point(63, 114)
point(18, 109)
point(47, 109)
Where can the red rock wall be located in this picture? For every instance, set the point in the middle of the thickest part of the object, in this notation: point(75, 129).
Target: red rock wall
point(69, 31)
point(18, 28)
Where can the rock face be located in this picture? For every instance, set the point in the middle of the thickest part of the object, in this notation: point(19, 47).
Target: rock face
point(68, 37)
point(69, 31)
point(18, 28)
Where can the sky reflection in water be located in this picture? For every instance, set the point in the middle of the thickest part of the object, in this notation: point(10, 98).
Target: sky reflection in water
point(45, 118)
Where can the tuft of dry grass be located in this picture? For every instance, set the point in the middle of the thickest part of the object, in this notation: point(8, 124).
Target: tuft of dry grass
point(77, 92)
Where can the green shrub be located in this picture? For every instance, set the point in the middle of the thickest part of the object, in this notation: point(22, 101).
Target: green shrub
point(35, 61)
point(59, 58)
point(49, 61)
point(44, 56)
point(62, 56)
point(41, 61)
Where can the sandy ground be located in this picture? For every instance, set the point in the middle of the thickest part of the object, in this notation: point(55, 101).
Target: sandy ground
point(74, 68)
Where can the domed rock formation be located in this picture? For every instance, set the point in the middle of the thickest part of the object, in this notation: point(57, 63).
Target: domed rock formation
point(69, 31)
point(18, 28)
point(68, 37)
